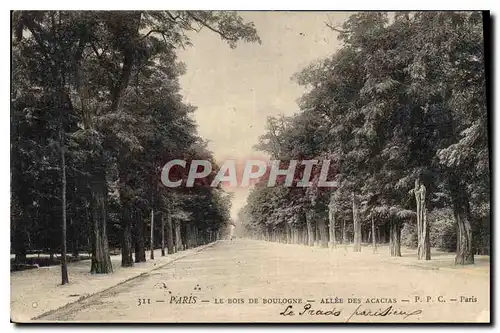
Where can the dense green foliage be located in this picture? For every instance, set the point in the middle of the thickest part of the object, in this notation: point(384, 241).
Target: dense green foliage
point(102, 90)
point(403, 99)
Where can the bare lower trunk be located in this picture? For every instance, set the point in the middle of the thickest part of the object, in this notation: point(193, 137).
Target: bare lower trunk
point(344, 232)
point(423, 241)
point(295, 235)
point(64, 265)
point(323, 233)
point(374, 239)
point(178, 236)
point(317, 237)
point(188, 238)
point(198, 237)
point(75, 223)
point(311, 229)
point(74, 235)
point(19, 219)
point(426, 237)
point(331, 217)
point(395, 239)
point(19, 242)
point(101, 261)
point(170, 234)
point(195, 237)
point(289, 237)
point(465, 254)
point(140, 248)
point(152, 238)
point(357, 224)
point(75, 253)
point(162, 234)
point(461, 211)
point(127, 214)
point(127, 260)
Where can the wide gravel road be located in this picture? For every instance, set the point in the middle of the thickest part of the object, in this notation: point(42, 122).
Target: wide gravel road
point(256, 281)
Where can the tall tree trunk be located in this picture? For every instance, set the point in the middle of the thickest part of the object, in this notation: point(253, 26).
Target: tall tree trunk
point(127, 260)
point(170, 233)
point(374, 239)
point(288, 230)
point(311, 228)
point(357, 224)
point(331, 218)
point(64, 264)
point(186, 242)
point(152, 238)
point(190, 237)
point(423, 241)
point(465, 254)
point(461, 212)
point(305, 235)
point(19, 216)
point(75, 244)
point(19, 242)
point(178, 236)
point(162, 234)
point(395, 239)
point(426, 239)
point(140, 249)
point(74, 226)
point(127, 213)
point(419, 220)
point(344, 232)
point(101, 261)
point(323, 233)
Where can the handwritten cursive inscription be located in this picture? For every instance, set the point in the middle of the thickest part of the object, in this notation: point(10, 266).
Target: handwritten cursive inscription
point(307, 310)
point(389, 311)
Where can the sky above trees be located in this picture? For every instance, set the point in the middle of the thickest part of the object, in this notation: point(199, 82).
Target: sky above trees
point(235, 90)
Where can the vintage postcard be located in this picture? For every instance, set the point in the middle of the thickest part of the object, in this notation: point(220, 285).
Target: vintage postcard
point(250, 167)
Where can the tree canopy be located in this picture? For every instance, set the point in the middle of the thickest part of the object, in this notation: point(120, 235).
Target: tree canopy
point(102, 89)
point(404, 99)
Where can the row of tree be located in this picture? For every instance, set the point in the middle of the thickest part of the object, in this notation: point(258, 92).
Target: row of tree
point(96, 112)
point(400, 111)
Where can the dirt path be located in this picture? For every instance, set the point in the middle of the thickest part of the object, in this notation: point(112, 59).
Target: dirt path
point(236, 272)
